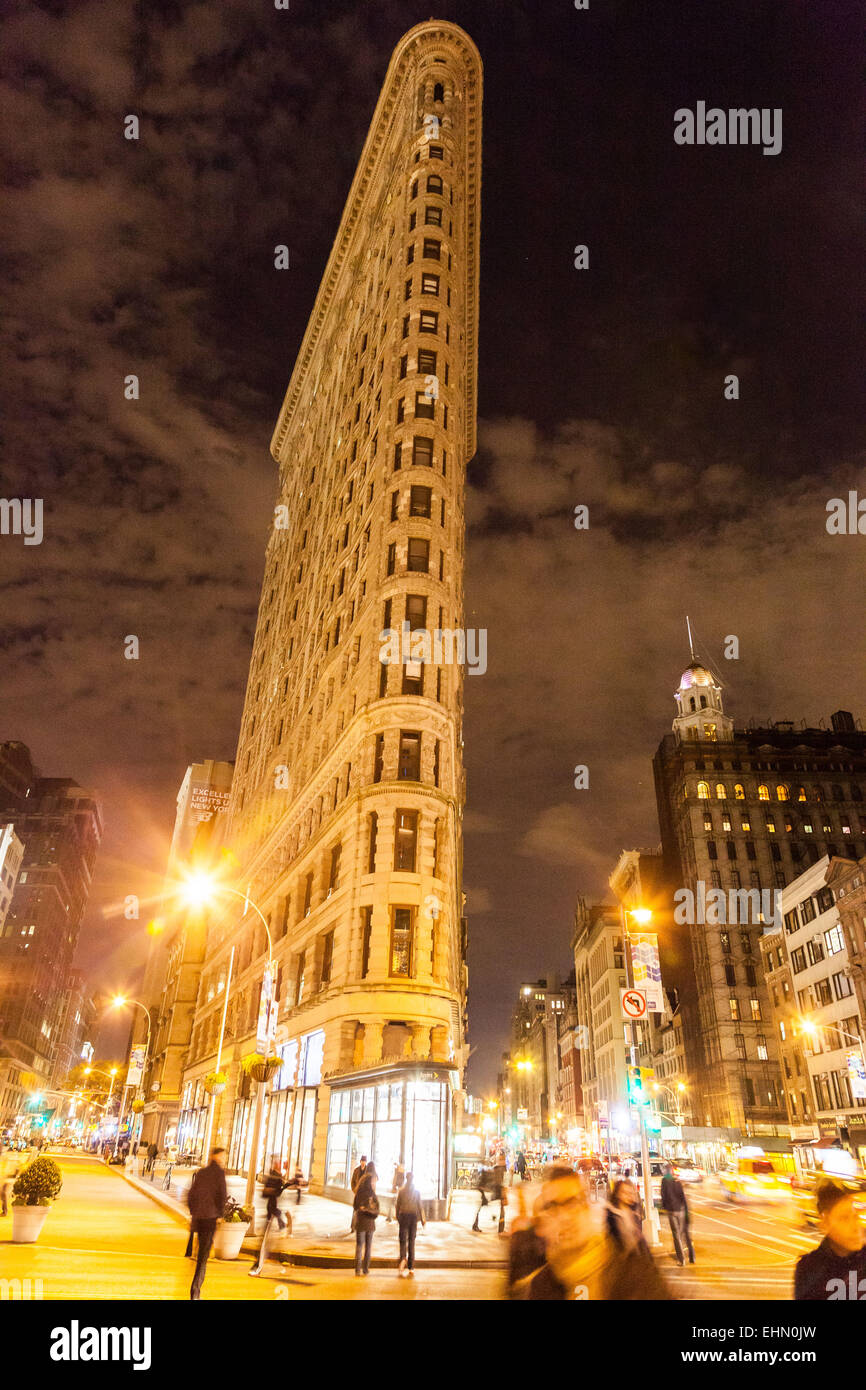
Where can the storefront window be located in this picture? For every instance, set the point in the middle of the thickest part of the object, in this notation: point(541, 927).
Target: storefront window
point(417, 1137)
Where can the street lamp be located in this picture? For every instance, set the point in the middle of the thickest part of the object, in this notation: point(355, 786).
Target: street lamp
point(199, 890)
point(119, 1002)
point(642, 915)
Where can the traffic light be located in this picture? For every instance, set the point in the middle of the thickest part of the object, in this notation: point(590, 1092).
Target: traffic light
point(635, 1086)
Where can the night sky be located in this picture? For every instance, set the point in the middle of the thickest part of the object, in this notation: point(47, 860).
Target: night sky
point(602, 387)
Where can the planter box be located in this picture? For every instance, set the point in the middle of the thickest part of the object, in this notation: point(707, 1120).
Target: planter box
point(228, 1239)
point(27, 1222)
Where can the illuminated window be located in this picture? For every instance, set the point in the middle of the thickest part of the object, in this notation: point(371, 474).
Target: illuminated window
point(755, 1006)
point(781, 792)
point(734, 1005)
point(721, 791)
point(401, 941)
point(745, 823)
point(710, 732)
point(703, 791)
point(801, 793)
point(763, 793)
point(739, 794)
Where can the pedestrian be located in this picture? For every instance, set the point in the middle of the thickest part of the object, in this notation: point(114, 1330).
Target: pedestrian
point(355, 1179)
point(298, 1182)
point(396, 1183)
point(272, 1188)
point(206, 1199)
point(520, 1166)
point(624, 1217)
point(483, 1184)
point(10, 1166)
point(410, 1211)
point(366, 1208)
point(497, 1190)
point(835, 1269)
point(582, 1262)
point(152, 1152)
point(526, 1252)
point(677, 1208)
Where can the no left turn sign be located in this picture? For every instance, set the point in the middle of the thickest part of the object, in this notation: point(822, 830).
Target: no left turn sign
point(633, 1003)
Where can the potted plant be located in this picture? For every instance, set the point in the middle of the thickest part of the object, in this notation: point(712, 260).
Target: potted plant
point(231, 1230)
point(215, 1083)
point(261, 1068)
point(32, 1194)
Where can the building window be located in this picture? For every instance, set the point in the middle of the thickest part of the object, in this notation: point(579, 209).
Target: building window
point(416, 612)
point(734, 1006)
point(299, 987)
point(428, 321)
point(721, 791)
point(422, 451)
point(401, 942)
point(327, 958)
point(739, 794)
point(842, 985)
point(308, 894)
point(379, 758)
point(425, 409)
point(432, 248)
point(430, 284)
point(373, 824)
point(439, 92)
point(427, 361)
point(398, 455)
point(711, 849)
point(405, 840)
point(418, 556)
point(409, 766)
point(703, 791)
point(334, 875)
point(420, 501)
point(740, 1044)
point(730, 975)
point(750, 1090)
point(781, 792)
point(366, 934)
point(432, 216)
point(755, 1007)
point(763, 793)
point(434, 183)
point(834, 941)
point(392, 558)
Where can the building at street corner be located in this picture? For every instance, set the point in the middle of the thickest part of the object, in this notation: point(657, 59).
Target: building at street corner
point(529, 1082)
point(345, 818)
point(742, 812)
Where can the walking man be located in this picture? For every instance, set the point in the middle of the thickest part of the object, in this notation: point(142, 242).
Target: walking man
point(409, 1212)
point(836, 1269)
point(355, 1179)
point(152, 1152)
point(677, 1208)
point(272, 1189)
point(206, 1200)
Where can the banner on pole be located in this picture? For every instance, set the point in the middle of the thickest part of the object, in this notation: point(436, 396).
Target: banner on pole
point(857, 1074)
point(136, 1067)
point(646, 970)
point(267, 1025)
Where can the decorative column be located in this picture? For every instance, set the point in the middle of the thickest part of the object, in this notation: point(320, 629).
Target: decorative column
point(418, 1042)
point(373, 1043)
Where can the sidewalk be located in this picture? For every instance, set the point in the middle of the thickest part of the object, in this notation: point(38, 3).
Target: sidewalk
point(321, 1234)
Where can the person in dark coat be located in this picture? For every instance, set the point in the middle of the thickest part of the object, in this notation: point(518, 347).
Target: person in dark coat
point(526, 1251)
point(677, 1208)
point(206, 1199)
point(272, 1189)
point(410, 1211)
point(357, 1175)
point(836, 1270)
point(580, 1263)
point(152, 1152)
point(366, 1209)
point(520, 1165)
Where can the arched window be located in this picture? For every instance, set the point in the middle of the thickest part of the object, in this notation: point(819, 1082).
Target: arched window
point(817, 794)
point(781, 792)
point(721, 791)
point(837, 793)
point(763, 793)
point(439, 92)
point(739, 794)
point(801, 794)
point(703, 702)
point(692, 704)
point(856, 794)
point(703, 791)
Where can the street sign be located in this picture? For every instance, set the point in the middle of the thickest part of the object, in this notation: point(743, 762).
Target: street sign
point(522, 1114)
point(633, 1003)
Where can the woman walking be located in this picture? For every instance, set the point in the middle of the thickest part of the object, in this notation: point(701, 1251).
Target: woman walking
point(623, 1218)
point(366, 1208)
point(409, 1212)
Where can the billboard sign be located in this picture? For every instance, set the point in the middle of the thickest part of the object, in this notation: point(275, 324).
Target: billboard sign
point(136, 1067)
point(857, 1074)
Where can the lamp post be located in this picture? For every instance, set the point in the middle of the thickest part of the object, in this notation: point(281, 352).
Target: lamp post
point(120, 1001)
point(199, 890)
point(641, 915)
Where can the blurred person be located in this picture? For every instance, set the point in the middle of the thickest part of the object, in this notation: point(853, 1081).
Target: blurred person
point(396, 1183)
point(526, 1251)
point(206, 1198)
point(355, 1179)
point(149, 1161)
point(497, 1190)
point(297, 1184)
point(272, 1188)
point(624, 1217)
point(677, 1208)
point(520, 1166)
point(581, 1262)
point(410, 1210)
point(483, 1184)
point(366, 1208)
point(836, 1269)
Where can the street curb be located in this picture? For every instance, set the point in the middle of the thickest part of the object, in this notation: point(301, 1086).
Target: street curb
point(300, 1257)
point(162, 1199)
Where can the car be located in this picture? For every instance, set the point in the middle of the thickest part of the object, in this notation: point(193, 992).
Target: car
point(686, 1171)
point(755, 1180)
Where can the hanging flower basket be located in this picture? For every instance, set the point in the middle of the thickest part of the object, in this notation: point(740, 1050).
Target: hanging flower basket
point(215, 1083)
point(261, 1068)
point(138, 1106)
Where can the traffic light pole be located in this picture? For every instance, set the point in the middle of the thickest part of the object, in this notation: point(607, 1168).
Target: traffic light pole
point(652, 1217)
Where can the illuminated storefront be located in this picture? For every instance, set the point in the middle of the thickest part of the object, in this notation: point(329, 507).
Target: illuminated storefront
point(193, 1118)
point(392, 1114)
point(290, 1111)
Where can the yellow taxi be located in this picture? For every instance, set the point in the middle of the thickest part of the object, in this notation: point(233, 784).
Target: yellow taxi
point(755, 1180)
